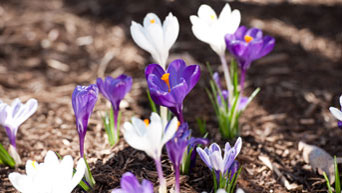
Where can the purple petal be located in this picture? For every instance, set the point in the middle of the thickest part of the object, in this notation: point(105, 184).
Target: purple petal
point(155, 69)
point(129, 182)
point(255, 33)
point(162, 98)
point(269, 43)
point(240, 33)
point(180, 91)
point(191, 75)
point(204, 156)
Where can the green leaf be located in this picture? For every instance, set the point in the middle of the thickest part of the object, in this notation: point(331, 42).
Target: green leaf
point(152, 104)
point(5, 158)
point(201, 125)
point(328, 183)
point(89, 177)
point(337, 177)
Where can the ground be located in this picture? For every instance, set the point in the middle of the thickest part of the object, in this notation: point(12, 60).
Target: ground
point(49, 47)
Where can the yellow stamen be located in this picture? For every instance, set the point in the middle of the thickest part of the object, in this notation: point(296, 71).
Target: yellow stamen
point(147, 122)
point(166, 79)
point(248, 38)
point(33, 163)
point(178, 124)
point(212, 17)
point(152, 21)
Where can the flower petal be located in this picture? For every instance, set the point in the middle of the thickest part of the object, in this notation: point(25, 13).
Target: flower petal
point(337, 113)
point(171, 30)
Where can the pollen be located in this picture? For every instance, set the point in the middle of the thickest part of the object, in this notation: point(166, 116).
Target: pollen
point(248, 38)
point(178, 124)
point(212, 17)
point(147, 122)
point(34, 164)
point(152, 21)
point(166, 79)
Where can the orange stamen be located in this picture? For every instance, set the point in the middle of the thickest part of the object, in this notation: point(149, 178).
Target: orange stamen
point(248, 38)
point(166, 79)
point(178, 124)
point(147, 122)
point(152, 21)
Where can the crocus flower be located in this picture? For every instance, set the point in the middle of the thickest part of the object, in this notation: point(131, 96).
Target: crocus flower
point(212, 156)
point(175, 149)
point(151, 137)
point(52, 176)
point(155, 37)
point(83, 101)
point(12, 116)
point(115, 89)
point(243, 100)
point(130, 184)
point(337, 113)
point(170, 88)
point(211, 29)
point(247, 45)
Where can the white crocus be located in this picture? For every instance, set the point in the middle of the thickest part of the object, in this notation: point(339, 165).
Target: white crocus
point(155, 37)
point(52, 176)
point(336, 112)
point(211, 29)
point(151, 137)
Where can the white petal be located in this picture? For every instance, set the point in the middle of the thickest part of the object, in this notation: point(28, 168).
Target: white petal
point(337, 113)
point(80, 171)
point(155, 34)
point(134, 139)
point(171, 130)
point(51, 159)
point(139, 126)
point(151, 19)
point(221, 191)
point(138, 35)
point(217, 161)
point(233, 22)
point(341, 100)
point(200, 29)
point(20, 182)
point(206, 13)
point(171, 30)
point(225, 13)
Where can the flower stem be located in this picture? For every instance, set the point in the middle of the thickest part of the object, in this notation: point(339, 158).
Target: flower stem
point(162, 181)
point(242, 80)
point(177, 186)
point(163, 115)
point(227, 78)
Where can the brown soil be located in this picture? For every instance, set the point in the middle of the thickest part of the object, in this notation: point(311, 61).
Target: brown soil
point(48, 47)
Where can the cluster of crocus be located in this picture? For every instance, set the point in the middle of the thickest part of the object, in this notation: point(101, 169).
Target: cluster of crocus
point(52, 176)
point(114, 89)
point(225, 169)
point(157, 39)
point(221, 33)
point(11, 117)
point(337, 113)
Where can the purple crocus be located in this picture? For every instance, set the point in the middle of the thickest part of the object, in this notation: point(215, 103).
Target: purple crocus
point(212, 156)
point(83, 101)
point(115, 89)
point(12, 116)
point(175, 149)
point(130, 184)
point(243, 100)
point(170, 88)
point(247, 45)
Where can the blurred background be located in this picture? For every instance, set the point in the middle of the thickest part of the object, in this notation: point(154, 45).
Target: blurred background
point(47, 47)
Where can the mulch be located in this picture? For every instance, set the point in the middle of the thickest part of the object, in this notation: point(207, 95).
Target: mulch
point(48, 47)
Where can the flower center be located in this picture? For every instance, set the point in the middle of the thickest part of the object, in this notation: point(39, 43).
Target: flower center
point(34, 164)
point(166, 79)
point(212, 17)
point(147, 122)
point(152, 21)
point(248, 38)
